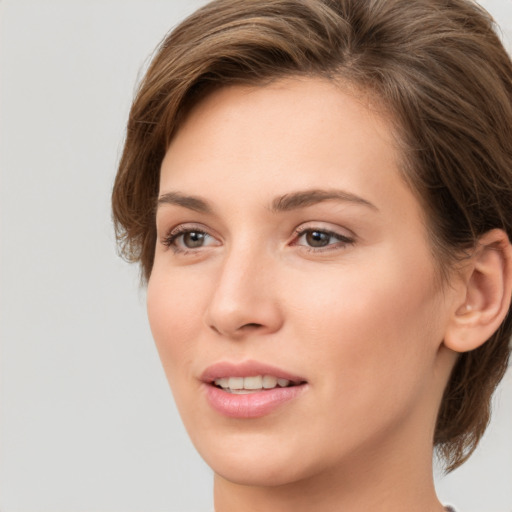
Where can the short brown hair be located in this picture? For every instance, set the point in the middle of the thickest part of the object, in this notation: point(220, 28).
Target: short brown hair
point(439, 70)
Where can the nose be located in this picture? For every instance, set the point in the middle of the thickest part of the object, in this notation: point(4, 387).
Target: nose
point(244, 300)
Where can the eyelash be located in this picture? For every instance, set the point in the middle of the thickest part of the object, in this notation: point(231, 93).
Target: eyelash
point(170, 239)
point(343, 240)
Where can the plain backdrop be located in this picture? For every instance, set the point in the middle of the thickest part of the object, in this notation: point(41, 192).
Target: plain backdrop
point(87, 422)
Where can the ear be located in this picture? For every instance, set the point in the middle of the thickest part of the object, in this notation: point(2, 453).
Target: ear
point(485, 295)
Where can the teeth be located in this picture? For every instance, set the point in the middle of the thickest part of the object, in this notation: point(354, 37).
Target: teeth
point(242, 385)
point(269, 382)
point(253, 382)
point(223, 383)
point(236, 382)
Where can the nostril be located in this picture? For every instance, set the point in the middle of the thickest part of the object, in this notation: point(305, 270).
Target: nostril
point(213, 328)
point(251, 326)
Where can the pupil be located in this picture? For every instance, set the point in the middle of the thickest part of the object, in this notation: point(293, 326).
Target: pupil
point(193, 239)
point(317, 239)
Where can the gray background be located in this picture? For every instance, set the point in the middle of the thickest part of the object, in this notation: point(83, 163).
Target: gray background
point(87, 422)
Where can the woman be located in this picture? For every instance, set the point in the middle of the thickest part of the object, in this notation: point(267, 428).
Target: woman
point(318, 194)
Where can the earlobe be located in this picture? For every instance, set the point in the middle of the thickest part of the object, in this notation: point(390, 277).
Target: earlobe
point(487, 294)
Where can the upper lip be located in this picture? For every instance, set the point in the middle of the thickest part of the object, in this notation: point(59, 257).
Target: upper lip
point(246, 369)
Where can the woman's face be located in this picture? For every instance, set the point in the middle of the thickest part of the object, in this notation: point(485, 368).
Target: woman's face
point(289, 247)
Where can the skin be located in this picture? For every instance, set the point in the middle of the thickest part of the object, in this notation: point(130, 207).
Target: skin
point(363, 320)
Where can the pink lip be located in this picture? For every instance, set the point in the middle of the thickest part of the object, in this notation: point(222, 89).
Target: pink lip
point(252, 405)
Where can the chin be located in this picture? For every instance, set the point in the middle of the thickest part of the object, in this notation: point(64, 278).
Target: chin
point(262, 473)
point(254, 462)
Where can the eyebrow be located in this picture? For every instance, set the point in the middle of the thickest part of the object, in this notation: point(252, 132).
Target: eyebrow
point(306, 198)
point(287, 202)
point(191, 202)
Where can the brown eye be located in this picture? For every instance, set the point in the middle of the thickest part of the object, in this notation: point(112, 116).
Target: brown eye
point(320, 239)
point(193, 239)
point(184, 239)
point(317, 238)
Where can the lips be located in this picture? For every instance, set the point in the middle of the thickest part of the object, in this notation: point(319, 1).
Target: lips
point(249, 389)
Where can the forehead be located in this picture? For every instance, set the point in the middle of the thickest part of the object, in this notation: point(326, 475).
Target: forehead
point(293, 133)
point(285, 111)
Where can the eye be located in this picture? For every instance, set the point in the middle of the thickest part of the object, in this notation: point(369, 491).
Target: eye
point(317, 238)
point(184, 239)
point(321, 239)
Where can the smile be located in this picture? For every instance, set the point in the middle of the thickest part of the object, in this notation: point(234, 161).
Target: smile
point(245, 385)
point(250, 389)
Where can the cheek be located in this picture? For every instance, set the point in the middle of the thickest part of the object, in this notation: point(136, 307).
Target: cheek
point(174, 321)
point(374, 327)
point(372, 354)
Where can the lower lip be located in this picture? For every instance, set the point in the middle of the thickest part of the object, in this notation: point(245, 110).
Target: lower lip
point(250, 405)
